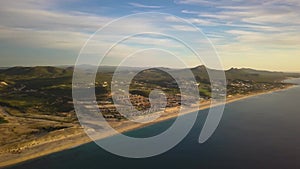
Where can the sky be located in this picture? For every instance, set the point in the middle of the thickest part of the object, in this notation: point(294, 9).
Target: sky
point(259, 34)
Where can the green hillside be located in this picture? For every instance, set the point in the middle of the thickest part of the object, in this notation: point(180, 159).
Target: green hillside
point(257, 75)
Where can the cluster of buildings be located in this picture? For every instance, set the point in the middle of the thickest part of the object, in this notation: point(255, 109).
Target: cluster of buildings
point(249, 86)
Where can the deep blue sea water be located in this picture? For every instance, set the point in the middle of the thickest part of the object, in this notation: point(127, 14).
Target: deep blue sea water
point(261, 132)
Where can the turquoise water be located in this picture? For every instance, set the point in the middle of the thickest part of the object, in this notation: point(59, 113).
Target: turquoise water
point(260, 132)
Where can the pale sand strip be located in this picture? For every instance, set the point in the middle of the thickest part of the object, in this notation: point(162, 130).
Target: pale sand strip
point(7, 159)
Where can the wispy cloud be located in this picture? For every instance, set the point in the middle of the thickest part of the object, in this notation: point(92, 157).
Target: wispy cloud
point(184, 28)
point(38, 27)
point(252, 30)
point(138, 5)
point(197, 21)
point(196, 2)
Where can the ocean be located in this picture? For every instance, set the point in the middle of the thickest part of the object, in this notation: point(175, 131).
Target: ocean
point(260, 132)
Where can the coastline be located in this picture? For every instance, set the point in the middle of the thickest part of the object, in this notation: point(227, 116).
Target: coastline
point(80, 138)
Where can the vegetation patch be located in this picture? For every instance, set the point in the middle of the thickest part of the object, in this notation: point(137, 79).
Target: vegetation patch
point(2, 120)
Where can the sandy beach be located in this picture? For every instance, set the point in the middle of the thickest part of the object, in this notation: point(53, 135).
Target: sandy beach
point(66, 139)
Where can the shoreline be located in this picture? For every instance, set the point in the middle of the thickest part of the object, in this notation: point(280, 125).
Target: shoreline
point(81, 137)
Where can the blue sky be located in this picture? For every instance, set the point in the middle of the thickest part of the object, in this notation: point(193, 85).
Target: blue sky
point(258, 34)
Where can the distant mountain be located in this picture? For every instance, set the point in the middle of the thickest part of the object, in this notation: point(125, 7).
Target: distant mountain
point(38, 71)
point(104, 69)
point(151, 74)
point(2, 68)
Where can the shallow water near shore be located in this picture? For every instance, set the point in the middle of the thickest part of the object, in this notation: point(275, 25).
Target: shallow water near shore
point(258, 132)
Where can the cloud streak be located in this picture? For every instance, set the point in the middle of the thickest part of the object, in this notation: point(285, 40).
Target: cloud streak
point(138, 5)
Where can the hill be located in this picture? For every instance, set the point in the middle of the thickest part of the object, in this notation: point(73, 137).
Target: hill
point(34, 72)
point(258, 75)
